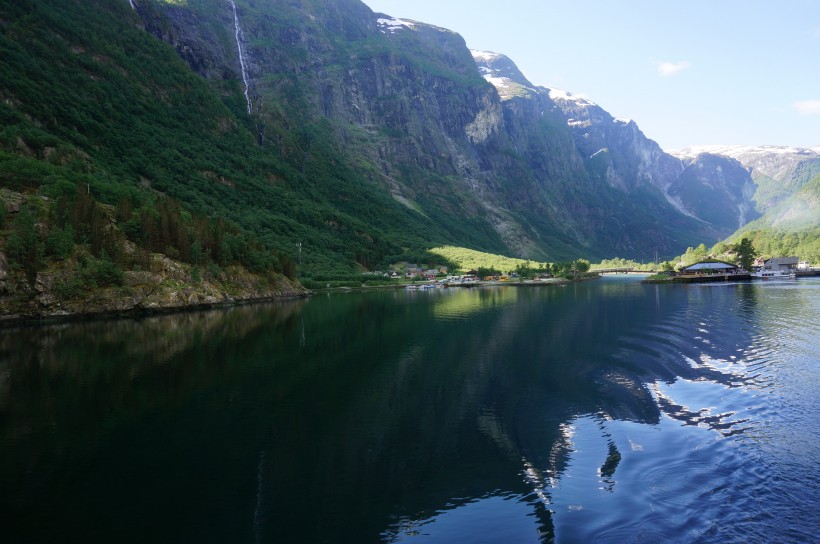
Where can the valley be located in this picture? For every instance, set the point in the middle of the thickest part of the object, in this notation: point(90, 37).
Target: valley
point(297, 141)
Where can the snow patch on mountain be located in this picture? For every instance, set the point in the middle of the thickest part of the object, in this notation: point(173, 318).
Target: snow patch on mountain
point(560, 94)
point(391, 25)
point(486, 56)
point(498, 82)
point(506, 87)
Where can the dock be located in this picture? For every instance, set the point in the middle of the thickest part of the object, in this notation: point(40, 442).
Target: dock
point(700, 278)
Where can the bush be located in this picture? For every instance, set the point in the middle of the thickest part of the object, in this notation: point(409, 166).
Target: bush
point(102, 272)
point(109, 273)
point(379, 283)
point(70, 288)
point(60, 242)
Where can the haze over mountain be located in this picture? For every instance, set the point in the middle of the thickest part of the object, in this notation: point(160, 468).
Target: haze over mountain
point(777, 170)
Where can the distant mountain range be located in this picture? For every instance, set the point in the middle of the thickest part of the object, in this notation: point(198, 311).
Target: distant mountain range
point(778, 171)
point(359, 136)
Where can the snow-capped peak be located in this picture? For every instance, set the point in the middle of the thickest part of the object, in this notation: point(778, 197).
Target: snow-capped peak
point(737, 151)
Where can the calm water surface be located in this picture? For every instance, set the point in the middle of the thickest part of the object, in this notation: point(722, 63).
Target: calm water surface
point(608, 411)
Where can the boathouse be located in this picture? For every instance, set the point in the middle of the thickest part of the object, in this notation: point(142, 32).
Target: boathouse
point(710, 267)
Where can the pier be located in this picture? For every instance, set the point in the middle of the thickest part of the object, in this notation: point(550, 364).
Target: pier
point(623, 270)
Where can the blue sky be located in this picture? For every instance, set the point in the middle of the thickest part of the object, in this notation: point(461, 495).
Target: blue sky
point(689, 72)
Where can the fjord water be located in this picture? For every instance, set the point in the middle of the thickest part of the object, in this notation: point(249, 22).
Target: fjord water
point(607, 411)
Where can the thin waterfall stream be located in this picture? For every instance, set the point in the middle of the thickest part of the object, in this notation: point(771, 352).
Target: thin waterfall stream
point(238, 34)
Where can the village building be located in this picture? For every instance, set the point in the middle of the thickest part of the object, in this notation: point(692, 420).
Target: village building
point(780, 264)
point(711, 267)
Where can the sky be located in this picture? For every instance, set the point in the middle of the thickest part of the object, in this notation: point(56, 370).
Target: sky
point(689, 72)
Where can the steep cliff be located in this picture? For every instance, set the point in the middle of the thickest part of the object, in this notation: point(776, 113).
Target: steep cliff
point(641, 189)
point(497, 167)
point(717, 190)
point(713, 189)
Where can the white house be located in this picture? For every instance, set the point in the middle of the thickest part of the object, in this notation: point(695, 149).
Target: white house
point(778, 264)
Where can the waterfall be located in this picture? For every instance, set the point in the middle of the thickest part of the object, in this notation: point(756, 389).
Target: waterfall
point(133, 6)
point(238, 33)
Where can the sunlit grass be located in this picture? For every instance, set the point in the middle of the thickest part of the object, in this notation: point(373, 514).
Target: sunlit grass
point(469, 259)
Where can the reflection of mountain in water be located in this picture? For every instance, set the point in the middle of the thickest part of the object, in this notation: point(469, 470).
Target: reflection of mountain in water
point(362, 417)
point(67, 388)
point(460, 303)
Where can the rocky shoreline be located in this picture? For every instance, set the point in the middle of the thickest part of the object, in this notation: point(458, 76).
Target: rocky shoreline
point(169, 286)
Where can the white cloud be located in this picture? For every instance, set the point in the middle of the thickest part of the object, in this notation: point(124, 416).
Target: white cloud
point(807, 107)
point(672, 68)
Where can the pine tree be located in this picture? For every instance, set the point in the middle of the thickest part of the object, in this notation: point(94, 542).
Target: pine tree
point(25, 245)
point(746, 253)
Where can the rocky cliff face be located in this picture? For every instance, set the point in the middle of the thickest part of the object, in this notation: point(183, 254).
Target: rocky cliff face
point(167, 286)
point(717, 189)
point(711, 188)
point(616, 148)
point(506, 166)
point(620, 161)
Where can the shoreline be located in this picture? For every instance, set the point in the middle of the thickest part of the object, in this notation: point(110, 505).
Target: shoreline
point(421, 286)
point(139, 312)
point(18, 321)
point(166, 287)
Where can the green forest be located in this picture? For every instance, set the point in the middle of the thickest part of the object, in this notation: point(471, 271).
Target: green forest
point(110, 137)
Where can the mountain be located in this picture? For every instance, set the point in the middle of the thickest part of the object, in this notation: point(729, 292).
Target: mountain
point(318, 134)
point(778, 171)
point(715, 191)
point(787, 194)
point(487, 169)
